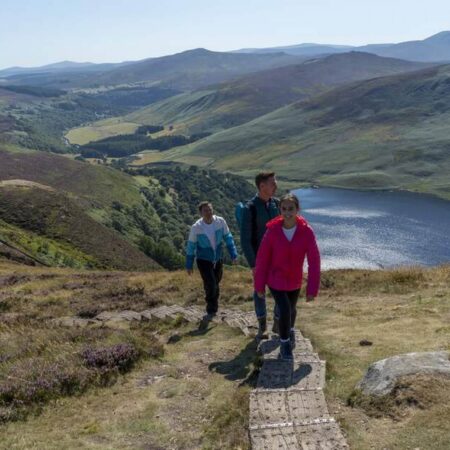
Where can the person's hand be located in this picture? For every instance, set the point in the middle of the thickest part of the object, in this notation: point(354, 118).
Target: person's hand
point(253, 271)
point(310, 298)
point(189, 271)
point(261, 294)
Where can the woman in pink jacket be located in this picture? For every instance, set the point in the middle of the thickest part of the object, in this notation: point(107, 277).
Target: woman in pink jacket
point(279, 265)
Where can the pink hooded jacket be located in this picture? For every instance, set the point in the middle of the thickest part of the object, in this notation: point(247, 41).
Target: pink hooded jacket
point(279, 263)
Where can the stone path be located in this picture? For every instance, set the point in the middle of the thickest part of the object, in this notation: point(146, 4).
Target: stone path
point(288, 408)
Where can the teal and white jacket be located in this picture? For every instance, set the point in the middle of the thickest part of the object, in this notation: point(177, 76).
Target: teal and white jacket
point(199, 246)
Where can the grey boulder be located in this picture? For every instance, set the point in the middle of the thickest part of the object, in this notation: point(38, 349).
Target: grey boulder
point(382, 375)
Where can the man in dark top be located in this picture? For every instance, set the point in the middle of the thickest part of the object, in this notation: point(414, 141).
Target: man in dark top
point(257, 212)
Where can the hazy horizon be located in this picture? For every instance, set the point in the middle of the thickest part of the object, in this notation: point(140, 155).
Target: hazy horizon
point(41, 32)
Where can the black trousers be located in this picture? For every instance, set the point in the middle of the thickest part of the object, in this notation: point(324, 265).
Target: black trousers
point(211, 275)
point(287, 307)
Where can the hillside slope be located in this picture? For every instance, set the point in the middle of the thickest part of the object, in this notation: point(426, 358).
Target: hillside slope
point(248, 97)
point(149, 209)
point(84, 195)
point(82, 241)
point(390, 132)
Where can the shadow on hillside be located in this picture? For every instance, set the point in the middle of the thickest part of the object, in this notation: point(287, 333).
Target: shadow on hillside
point(243, 367)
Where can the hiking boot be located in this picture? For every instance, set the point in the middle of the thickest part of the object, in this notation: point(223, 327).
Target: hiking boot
point(285, 351)
point(262, 328)
point(276, 325)
point(292, 338)
point(205, 321)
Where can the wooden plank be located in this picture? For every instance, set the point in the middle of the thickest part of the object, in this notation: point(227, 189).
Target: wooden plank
point(282, 438)
point(306, 405)
point(268, 407)
point(326, 436)
point(309, 375)
point(275, 374)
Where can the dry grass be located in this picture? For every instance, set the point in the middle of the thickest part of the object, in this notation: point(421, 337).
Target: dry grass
point(190, 397)
point(184, 399)
point(399, 311)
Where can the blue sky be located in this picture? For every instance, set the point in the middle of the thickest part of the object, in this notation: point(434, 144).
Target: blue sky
point(37, 32)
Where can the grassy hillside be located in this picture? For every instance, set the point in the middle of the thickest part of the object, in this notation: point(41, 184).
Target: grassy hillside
point(390, 132)
point(167, 385)
point(59, 231)
point(97, 186)
point(149, 208)
point(248, 97)
point(39, 187)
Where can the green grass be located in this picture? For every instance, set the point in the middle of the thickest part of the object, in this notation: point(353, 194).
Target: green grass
point(100, 130)
point(45, 250)
point(383, 133)
point(62, 225)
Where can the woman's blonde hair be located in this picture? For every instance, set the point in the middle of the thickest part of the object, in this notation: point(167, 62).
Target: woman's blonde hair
point(290, 198)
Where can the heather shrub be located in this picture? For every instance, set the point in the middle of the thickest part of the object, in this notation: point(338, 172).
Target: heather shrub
point(120, 357)
point(34, 381)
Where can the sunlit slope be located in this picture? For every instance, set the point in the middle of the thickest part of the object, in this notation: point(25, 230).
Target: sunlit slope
point(390, 132)
point(236, 102)
point(62, 212)
point(54, 223)
point(96, 184)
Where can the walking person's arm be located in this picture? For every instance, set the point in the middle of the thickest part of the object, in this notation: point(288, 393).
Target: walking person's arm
point(247, 236)
point(191, 248)
point(229, 242)
point(263, 259)
point(313, 257)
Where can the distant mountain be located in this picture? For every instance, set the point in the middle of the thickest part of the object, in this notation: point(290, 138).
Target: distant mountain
point(63, 66)
point(236, 102)
point(389, 132)
point(194, 68)
point(433, 49)
point(301, 49)
point(183, 71)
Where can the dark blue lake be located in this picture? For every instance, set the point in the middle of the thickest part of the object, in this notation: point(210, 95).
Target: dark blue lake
point(377, 229)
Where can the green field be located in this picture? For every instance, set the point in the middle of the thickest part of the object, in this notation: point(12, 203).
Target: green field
point(100, 130)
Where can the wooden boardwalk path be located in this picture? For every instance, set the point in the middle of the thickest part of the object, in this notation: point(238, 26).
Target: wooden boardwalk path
point(287, 409)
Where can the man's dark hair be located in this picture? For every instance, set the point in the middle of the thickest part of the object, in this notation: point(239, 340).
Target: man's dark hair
point(262, 177)
point(202, 204)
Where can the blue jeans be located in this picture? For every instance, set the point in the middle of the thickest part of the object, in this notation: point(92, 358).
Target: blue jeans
point(260, 307)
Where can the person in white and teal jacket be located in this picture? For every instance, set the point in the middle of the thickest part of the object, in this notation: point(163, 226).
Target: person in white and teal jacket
point(205, 244)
